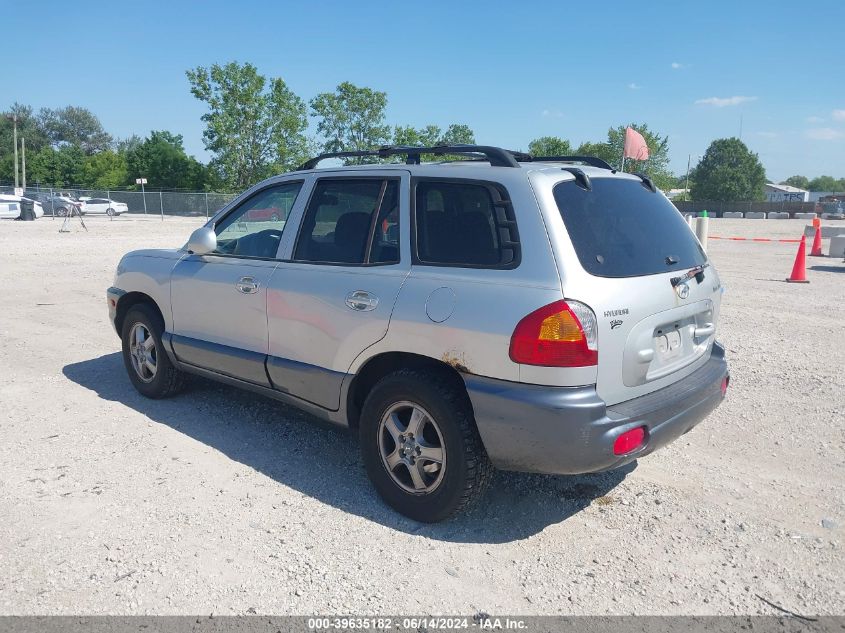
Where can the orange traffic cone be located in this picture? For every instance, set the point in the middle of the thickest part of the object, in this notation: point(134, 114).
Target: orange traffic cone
point(816, 251)
point(799, 273)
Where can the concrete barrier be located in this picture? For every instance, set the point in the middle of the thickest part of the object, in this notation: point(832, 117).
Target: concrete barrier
point(755, 215)
point(732, 214)
point(831, 216)
point(805, 216)
point(778, 215)
point(837, 247)
point(827, 231)
point(702, 230)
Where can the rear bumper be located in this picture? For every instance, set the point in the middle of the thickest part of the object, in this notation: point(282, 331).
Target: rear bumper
point(570, 430)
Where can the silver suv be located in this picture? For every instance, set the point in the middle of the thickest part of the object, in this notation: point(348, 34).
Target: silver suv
point(542, 314)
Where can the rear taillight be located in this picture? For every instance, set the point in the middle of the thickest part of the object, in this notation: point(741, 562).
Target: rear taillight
point(561, 334)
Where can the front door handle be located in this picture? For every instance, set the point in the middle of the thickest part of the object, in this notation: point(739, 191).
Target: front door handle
point(247, 285)
point(361, 300)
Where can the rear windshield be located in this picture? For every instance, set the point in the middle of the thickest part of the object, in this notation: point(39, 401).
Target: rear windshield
point(622, 229)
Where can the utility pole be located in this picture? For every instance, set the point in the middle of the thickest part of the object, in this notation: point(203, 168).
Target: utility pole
point(14, 119)
point(686, 184)
point(23, 162)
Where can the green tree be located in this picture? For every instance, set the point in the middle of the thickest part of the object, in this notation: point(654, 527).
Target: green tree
point(457, 134)
point(351, 118)
point(162, 160)
point(62, 167)
point(254, 127)
point(826, 183)
point(657, 165)
point(431, 136)
point(75, 126)
point(105, 170)
point(550, 146)
point(29, 128)
point(409, 135)
point(599, 150)
point(728, 171)
point(802, 182)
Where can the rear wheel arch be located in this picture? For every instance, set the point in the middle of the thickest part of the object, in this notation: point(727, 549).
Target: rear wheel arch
point(381, 365)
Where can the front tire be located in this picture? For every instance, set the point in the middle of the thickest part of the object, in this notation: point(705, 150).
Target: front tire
point(420, 446)
point(144, 356)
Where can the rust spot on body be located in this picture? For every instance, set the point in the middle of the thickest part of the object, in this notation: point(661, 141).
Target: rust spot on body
point(456, 359)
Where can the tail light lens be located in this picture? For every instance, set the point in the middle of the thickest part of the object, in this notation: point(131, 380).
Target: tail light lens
point(561, 334)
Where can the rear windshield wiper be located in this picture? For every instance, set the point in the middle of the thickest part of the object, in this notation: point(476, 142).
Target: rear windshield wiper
point(697, 272)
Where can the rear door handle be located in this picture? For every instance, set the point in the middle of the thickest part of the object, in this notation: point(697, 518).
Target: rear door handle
point(247, 285)
point(361, 300)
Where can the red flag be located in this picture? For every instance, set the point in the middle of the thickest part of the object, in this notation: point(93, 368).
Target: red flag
point(635, 145)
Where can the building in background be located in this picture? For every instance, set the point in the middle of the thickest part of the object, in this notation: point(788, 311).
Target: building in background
point(785, 193)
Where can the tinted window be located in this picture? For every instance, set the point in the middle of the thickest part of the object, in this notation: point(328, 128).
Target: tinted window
point(385, 248)
point(621, 229)
point(346, 218)
point(255, 228)
point(464, 224)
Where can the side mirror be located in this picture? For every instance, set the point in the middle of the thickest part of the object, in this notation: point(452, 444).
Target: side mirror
point(202, 241)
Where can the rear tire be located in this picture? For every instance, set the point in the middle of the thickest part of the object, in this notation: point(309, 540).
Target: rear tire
point(110, 212)
point(419, 420)
point(144, 356)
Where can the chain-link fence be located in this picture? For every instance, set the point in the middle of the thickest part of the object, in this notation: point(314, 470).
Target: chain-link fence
point(184, 203)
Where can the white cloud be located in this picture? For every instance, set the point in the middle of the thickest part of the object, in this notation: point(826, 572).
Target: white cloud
point(678, 65)
point(721, 102)
point(815, 119)
point(838, 115)
point(823, 134)
point(554, 114)
point(634, 86)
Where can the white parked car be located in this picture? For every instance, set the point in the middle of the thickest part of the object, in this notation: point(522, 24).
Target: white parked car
point(93, 206)
point(12, 206)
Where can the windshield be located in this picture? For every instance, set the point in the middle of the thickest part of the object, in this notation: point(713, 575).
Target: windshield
point(622, 229)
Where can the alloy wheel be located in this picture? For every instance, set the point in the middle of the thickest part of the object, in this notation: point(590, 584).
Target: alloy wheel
point(412, 448)
point(142, 352)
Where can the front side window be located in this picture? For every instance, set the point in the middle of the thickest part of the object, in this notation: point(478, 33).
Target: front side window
point(465, 224)
point(351, 221)
point(255, 228)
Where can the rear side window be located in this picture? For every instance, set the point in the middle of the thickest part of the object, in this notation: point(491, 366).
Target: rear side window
point(351, 221)
point(622, 229)
point(464, 224)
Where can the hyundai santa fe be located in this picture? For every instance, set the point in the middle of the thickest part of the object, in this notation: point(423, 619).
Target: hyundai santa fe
point(495, 310)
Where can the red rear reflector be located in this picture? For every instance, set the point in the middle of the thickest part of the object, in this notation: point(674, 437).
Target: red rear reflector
point(725, 382)
point(629, 441)
point(552, 336)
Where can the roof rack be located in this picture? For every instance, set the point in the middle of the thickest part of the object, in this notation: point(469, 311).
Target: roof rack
point(497, 156)
point(587, 160)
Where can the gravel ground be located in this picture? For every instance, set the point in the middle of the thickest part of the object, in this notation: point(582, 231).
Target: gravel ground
point(221, 501)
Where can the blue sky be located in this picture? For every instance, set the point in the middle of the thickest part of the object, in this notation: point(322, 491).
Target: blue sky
point(512, 71)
